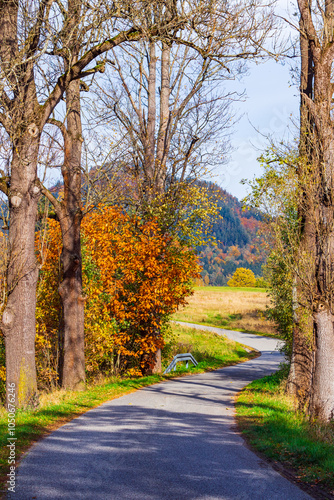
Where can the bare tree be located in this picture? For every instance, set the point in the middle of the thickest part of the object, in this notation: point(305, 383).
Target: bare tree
point(165, 115)
point(165, 100)
point(162, 116)
point(316, 184)
point(36, 36)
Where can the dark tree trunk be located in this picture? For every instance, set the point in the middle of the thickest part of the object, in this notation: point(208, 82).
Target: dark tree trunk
point(18, 321)
point(72, 375)
point(73, 362)
point(300, 375)
point(302, 360)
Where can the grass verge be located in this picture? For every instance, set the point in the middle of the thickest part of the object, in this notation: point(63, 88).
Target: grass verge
point(210, 350)
point(271, 424)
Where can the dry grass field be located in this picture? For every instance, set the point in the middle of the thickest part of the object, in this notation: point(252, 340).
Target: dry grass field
point(230, 308)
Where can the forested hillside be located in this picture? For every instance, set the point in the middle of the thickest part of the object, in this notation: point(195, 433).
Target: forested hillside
point(239, 242)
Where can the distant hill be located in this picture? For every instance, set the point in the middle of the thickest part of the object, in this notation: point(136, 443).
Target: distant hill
point(238, 241)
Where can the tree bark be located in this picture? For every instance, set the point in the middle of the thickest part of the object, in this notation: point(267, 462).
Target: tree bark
point(301, 368)
point(73, 359)
point(149, 142)
point(162, 139)
point(322, 398)
point(157, 367)
point(18, 321)
point(320, 198)
point(322, 394)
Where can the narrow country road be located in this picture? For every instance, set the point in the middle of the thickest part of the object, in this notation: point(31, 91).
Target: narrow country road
point(172, 441)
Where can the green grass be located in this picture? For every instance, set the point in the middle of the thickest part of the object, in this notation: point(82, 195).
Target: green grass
point(272, 425)
point(230, 289)
point(210, 350)
point(218, 319)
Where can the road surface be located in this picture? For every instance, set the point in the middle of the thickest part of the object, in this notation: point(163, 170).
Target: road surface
point(172, 441)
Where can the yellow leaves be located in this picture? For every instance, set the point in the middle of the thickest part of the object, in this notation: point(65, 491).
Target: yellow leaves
point(133, 372)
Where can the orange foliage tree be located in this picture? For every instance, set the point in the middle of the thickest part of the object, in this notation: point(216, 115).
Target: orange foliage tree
point(134, 278)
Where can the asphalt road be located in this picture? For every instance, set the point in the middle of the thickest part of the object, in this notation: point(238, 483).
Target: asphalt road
point(172, 441)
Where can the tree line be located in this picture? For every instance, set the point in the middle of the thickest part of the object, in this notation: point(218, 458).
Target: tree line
point(238, 241)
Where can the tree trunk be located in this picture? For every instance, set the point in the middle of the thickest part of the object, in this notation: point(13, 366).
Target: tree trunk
point(149, 150)
point(18, 321)
point(322, 398)
point(302, 359)
point(300, 375)
point(157, 367)
point(72, 374)
point(322, 395)
point(162, 139)
point(73, 360)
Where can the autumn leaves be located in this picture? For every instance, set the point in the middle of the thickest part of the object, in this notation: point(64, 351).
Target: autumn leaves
point(134, 278)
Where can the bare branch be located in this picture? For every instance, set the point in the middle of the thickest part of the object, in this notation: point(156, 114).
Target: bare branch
point(61, 126)
point(76, 70)
point(52, 199)
point(4, 183)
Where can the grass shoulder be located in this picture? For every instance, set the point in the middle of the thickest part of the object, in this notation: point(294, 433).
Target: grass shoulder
point(210, 350)
point(273, 426)
point(56, 408)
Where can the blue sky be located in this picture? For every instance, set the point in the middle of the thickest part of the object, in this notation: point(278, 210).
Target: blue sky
point(271, 108)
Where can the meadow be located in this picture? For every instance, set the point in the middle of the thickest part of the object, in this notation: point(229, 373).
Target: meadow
point(240, 309)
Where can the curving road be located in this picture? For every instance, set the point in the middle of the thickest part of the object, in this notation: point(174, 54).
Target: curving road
point(171, 441)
